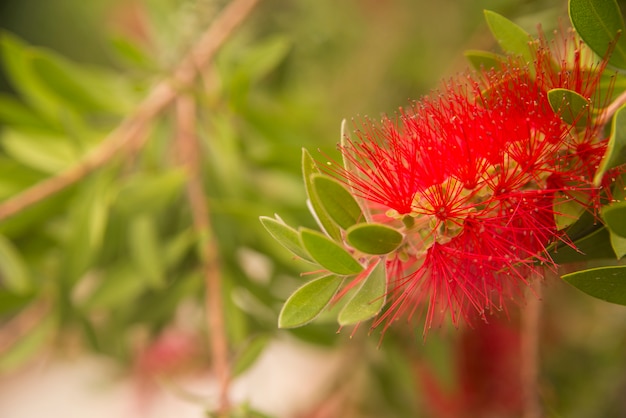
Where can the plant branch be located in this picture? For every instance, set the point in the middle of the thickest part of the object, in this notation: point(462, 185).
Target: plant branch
point(190, 156)
point(529, 362)
point(133, 130)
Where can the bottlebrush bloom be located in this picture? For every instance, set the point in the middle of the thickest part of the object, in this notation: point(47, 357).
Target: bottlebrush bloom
point(470, 175)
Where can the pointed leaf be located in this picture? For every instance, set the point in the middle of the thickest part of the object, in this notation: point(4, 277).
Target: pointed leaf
point(619, 245)
point(145, 250)
point(614, 216)
point(615, 154)
point(512, 39)
point(14, 273)
point(570, 106)
point(598, 22)
point(325, 222)
point(306, 303)
point(337, 201)
point(606, 283)
point(594, 246)
point(249, 354)
point(374, 238)
point(329, 254)
point(368, 300)
point(286, 236)
point(484, 60)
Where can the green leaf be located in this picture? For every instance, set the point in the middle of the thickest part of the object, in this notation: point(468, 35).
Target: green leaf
point(150, 192)
point(614, 217)
point(14, 272)
point(512, 39)
point(368, 300)
point(86, 225)
point(570, 106)
point(594, 246)
point(15, 113)
point(598, 23)
point(615, 154)
point(11, 302)
point(249, 354)
point(306, 303)
point(329, 254)
point(309, 168)
point(145, 251)
point(619, 245)
point(606, 283)
point(30, 344)
point(337, 201)
point(119, 287)
point(286, 236)
point(568, 208)
point(16, 56)
point(374, 238)
point(45, 152)
point(77, 87)
point(483, 60)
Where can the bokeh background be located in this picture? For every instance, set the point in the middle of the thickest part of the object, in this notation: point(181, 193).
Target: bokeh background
point(109, 297)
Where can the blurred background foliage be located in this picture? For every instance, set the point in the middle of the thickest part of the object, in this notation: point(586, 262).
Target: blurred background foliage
point(109, 264)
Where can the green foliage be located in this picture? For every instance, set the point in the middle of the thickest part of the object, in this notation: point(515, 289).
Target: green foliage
point(606, 283)
point(599, 23)
point(570, 106)
point(374, 238)
point(512, 39)
point(329, 254)
point(309, 168)
point(615, 154)
point(306, 303)
point(368, 299)
point(336, 201)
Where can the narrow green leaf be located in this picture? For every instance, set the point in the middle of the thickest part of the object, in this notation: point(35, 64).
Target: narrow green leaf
point(598, 22)
point(14, 273)
point(11, 302)
point(619, 245)
point(368, 300)
point(45, 152)
point(286, 236)
point(594, 246)
point(374, 238)
point(145, 251)
point(606, 283)
point(119, 287)
point(329, 254)
point(15, 113)
point(570, 106)
point(483, 60)
point(31, 343)
point(150, 192)
point(249, 354)
point(306, 303)
point(614, 216)
point(16, 56)
point(87, 223)
point(512, 39)
point(615, 154)
point(337, 201)
point(309, 168)
point(77, 87)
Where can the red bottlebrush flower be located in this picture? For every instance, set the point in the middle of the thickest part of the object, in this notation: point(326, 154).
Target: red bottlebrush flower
point(470, 176)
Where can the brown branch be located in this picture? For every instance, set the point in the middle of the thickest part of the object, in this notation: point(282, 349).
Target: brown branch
point(132, 131)
point(529, 362)
point(190, 156)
